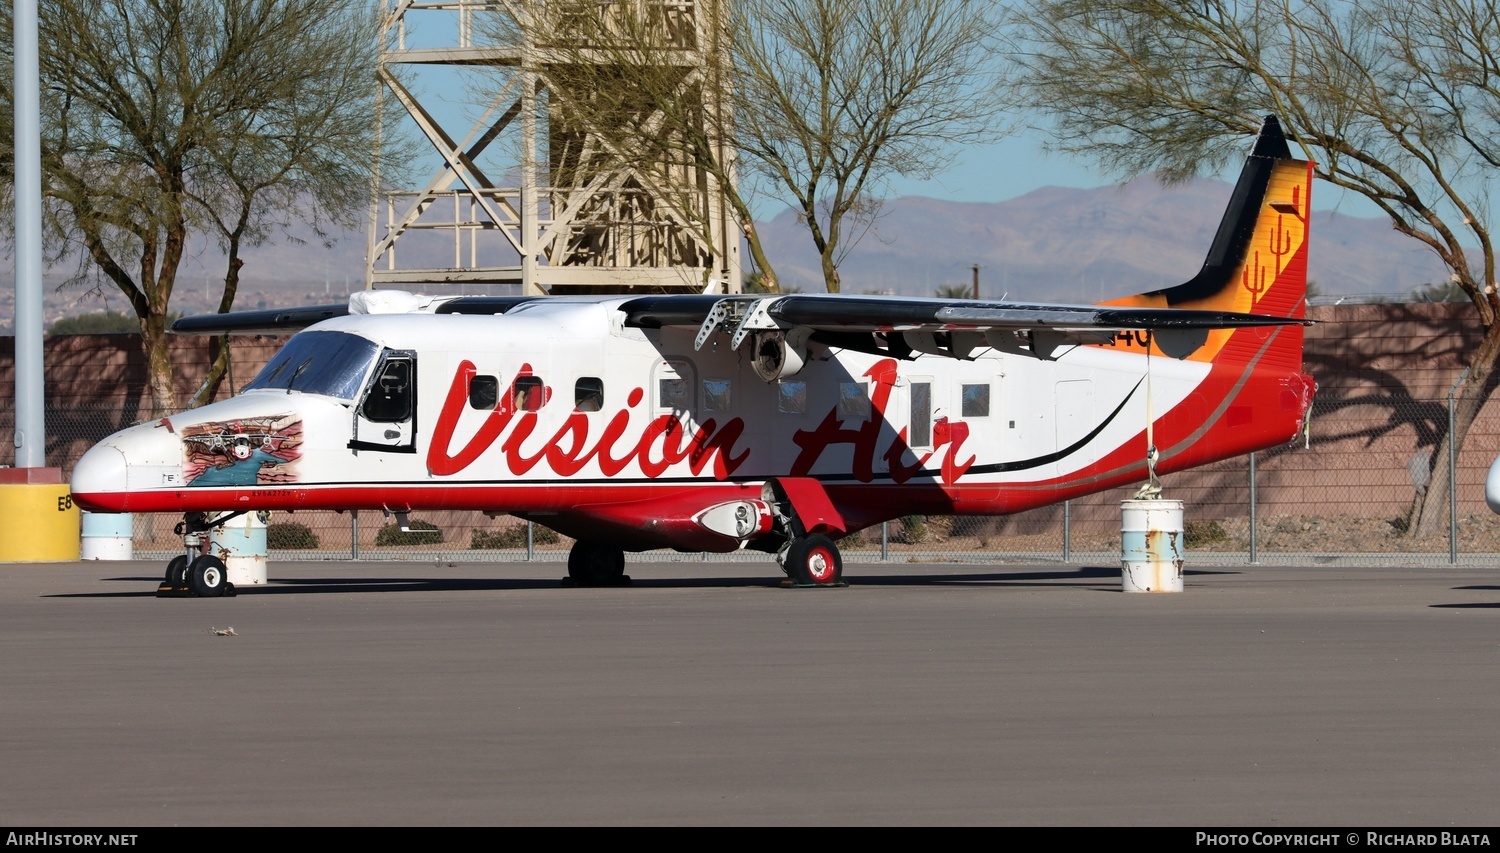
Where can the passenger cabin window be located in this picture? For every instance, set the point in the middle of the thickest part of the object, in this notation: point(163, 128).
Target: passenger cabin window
point(976, 401)
point(390, 396)
point(854, 403)
point(716, 395)
point(921, 415)
point(791, 397)
point(527, 395)
point(588, 394)
point(484, 392)
point(676, 388)
point(675, 394)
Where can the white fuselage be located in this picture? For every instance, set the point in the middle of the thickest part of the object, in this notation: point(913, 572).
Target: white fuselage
point(610, 408)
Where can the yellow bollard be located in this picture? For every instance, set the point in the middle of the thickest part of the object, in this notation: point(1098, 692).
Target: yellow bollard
point(38, 521)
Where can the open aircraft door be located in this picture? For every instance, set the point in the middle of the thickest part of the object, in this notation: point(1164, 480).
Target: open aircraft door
point(386, 417)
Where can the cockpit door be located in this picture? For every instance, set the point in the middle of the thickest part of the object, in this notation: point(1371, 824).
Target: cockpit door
point(386, 417)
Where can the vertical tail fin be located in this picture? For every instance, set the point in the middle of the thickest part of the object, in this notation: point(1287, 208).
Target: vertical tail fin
point(1257, 263)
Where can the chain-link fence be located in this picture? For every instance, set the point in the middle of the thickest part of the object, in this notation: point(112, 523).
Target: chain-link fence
point(1346, 492)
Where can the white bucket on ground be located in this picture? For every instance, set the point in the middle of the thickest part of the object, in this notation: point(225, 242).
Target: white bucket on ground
point(1151, 545)
point(106, 536)
point(241, 544)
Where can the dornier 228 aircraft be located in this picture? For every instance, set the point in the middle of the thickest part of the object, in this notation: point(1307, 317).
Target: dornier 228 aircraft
point(779, 423)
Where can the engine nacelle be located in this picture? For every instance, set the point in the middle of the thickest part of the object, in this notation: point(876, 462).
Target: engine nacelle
point(779, 354)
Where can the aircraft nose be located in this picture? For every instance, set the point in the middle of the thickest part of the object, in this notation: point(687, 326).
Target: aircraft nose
point(99, 476)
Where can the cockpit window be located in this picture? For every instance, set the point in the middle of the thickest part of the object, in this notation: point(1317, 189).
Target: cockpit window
point(329, 363)
point(389, 399)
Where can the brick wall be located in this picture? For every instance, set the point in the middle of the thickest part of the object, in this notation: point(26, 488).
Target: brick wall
point(96, 384)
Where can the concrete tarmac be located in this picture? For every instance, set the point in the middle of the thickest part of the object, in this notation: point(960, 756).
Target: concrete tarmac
point(414, 694)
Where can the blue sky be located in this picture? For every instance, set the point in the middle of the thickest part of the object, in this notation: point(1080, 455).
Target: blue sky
point(1020, 163)
point(997, 172)
point(1009, 168)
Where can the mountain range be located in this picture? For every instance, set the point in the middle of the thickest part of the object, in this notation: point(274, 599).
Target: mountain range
point(1085, 245)
point(1056, 244)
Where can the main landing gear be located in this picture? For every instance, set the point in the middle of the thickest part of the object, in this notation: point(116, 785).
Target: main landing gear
point(800, 531)
point(800, 506)
point(593, 563)
point(194, 573)
point(813, 561)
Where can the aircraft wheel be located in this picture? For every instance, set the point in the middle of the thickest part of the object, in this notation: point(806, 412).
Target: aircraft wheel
point(595, 564)
point(177, 569)
point(815, 561)
point(208, 577)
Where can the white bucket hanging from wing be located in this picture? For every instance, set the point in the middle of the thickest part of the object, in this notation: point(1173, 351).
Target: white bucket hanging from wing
point(1151, 533)
point(1151, 545)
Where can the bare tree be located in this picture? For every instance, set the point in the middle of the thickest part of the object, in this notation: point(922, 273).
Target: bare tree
point(815, 102)
point(163, 119)
point(1397, 102)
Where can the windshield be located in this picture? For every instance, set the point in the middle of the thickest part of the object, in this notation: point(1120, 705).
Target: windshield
point(329, 363)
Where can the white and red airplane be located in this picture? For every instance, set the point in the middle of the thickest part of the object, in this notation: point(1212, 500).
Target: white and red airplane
point(778, 423)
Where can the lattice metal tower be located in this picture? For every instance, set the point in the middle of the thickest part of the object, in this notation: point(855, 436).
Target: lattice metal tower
point(522, 199)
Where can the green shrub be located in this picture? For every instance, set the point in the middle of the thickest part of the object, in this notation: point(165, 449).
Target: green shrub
point(510, 537)
point(1196, 533)
point(289, 535)
point(421, 533)
point(914, 528)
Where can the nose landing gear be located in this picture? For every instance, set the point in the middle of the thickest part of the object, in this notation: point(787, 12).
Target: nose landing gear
point(194, 573)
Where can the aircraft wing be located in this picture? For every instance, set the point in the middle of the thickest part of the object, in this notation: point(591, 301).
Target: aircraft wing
point(953, 327)
point(905, 314)
point(281, 321)
point(874, 314)
point(272, 321)
point(888, 325)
